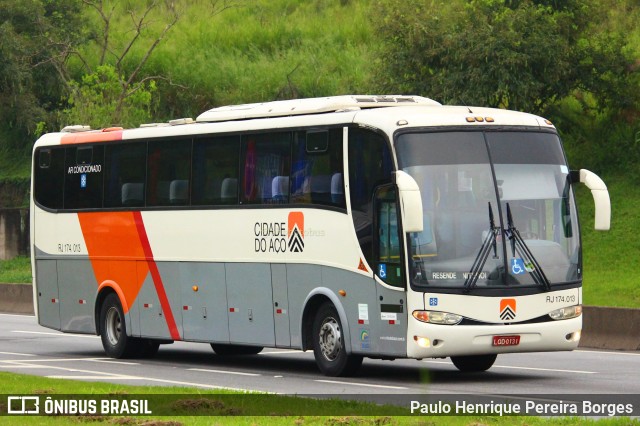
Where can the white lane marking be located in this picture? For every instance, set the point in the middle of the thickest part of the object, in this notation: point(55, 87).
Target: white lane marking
point(545, 369)
point(360, 384)
point(103, 360)
point(204, 370)
point(86, 336)
point(94, 377)
point(199, 385)
point(17, 315)
point(15, 353)
point(524, 368)
point(111, 361)
point(113, 376)
point(608, 352)
point(12, 366)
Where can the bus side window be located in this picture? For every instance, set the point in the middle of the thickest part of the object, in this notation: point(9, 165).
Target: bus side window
point(265, 157)
point(317, 168)
point(125, 174)
point(168, 172)
point(83, 177)
point(49, 177)
point(370, 165)
point(215, 170)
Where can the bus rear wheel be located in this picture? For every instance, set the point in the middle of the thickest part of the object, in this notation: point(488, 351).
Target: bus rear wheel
point(223, 349)
point(328, 344)
point(474, 363)
point(113, 330)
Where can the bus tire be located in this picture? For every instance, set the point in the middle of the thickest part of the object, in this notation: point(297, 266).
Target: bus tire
point(224, 350)
point(113, 330)
point(328, 344)
point(474, 363)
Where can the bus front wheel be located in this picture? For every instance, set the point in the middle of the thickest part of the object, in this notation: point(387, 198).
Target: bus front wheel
point(474, 363)
point(328, 344)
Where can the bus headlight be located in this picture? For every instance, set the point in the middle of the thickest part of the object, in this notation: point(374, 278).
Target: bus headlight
point(435, 317)
point(566, 313)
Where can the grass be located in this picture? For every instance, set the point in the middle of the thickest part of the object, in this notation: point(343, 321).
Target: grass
point(16, 270)
point(611, 259)
point(281, 410)
point(253, 51)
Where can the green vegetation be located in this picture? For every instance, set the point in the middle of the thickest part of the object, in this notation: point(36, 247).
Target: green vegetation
point(107, 62)
point(269, 50)
point(610, 258)
point(280, 408)
point(521, 55)
point(16, 270)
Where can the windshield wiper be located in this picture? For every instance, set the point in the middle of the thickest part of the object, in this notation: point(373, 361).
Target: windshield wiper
point(520, 247)
point(488, 243)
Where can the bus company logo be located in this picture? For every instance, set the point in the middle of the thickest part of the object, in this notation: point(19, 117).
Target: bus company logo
point(507, 309)
point(296, 232)
point(280, 237)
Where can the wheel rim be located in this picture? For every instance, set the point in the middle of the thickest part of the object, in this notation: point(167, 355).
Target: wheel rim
point(330, 337)
point(113, 325)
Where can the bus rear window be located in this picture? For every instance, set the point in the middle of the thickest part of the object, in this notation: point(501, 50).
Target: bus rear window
point(49, 178)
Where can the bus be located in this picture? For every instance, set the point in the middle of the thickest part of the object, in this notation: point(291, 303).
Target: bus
point(353, 226)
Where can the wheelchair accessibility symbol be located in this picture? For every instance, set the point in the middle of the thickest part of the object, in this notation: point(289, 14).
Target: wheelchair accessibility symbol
point(517, 266)
point(382, 271)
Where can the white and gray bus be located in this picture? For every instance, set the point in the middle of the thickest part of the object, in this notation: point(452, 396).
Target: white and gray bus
point(354, 226)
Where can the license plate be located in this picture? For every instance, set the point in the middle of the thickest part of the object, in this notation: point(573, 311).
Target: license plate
point(506, 340)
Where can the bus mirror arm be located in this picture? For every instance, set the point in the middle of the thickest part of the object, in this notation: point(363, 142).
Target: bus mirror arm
point(410, 201)
point(600, 197)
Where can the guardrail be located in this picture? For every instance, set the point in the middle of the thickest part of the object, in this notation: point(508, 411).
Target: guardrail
point(611, 328)
point(16, 298)
point(602, 327)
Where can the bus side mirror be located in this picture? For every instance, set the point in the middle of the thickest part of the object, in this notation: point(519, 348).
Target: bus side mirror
point(410, 202)
point(600, 197)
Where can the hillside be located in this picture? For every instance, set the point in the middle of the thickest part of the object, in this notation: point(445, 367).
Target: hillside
point(610, 258)
point(239, 51)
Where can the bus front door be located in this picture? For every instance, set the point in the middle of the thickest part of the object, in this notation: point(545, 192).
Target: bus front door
point(390, 287)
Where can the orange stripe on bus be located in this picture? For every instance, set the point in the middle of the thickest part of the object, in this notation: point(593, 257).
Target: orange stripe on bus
point(120, 252)
point(113, 244)
point(157, 279)
point(88, 137)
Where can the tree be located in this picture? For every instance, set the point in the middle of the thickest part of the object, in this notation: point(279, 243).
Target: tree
point(32, 32)
point(115, 91)
point(101, 100)
point(517, 54)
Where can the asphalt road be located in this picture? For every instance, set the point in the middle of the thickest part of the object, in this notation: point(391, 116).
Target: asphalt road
point(27, 348)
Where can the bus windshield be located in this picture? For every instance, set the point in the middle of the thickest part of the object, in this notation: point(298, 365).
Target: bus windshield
point(498, 210)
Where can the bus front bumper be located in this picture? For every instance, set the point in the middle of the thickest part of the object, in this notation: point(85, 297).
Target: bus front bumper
point(435, 341)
